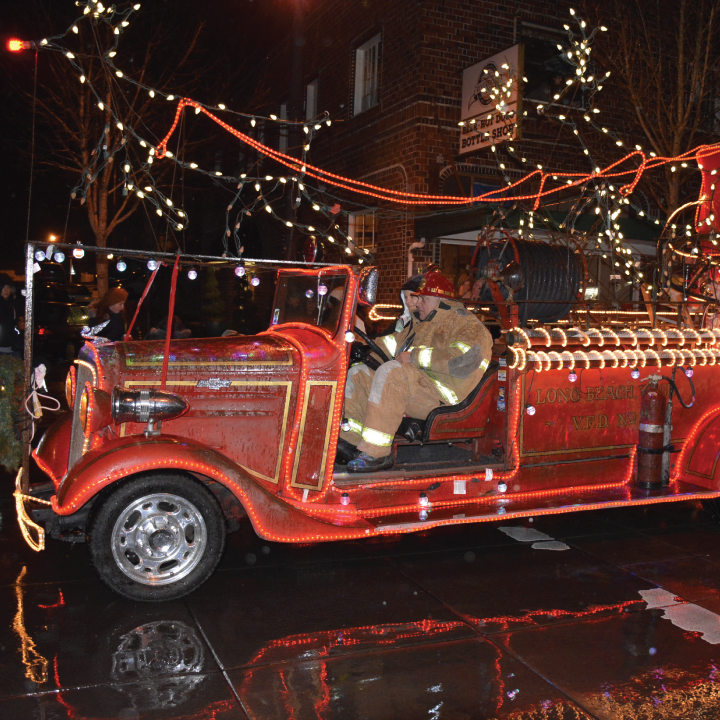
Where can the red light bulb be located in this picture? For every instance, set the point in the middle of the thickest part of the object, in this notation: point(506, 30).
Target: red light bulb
point(15, 45)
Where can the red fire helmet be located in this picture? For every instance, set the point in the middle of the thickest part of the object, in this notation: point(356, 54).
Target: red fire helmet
point(436, 285)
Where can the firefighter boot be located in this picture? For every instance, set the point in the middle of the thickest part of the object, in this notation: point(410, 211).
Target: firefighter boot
point(365, 463)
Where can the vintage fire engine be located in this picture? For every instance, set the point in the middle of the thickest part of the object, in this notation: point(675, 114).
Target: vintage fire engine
point(151, 467)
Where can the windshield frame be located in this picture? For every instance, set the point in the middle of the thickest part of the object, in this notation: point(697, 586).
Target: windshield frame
point(329, 304)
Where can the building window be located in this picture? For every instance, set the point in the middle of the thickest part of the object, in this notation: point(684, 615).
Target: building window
point(471, 183)
point(367, 64)
point(311, 98)
point(361, 228)
point(283, 141)
point(547, 70)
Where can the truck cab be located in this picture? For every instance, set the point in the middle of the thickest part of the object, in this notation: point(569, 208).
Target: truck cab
point(152, 467)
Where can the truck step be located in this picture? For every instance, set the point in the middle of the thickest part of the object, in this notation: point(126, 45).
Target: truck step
point(503, 507)
point(409, 471)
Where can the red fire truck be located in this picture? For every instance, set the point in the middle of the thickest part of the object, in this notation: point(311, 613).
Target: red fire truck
point(152, 467)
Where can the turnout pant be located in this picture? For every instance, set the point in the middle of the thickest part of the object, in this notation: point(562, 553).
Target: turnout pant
point(375, 403)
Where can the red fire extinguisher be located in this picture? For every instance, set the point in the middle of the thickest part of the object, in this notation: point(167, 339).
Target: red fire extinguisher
point(652, 429)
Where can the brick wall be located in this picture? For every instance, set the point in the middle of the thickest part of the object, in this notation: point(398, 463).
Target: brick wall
point(408, 141)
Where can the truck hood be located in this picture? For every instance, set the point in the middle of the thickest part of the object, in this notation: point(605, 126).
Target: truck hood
point(240, 351)
point(198, 358)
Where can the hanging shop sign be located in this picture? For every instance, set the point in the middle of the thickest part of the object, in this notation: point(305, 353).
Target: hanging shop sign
point(491, 101)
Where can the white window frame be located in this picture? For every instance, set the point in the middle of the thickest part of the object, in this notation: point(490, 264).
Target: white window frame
point(367, 75)
point(311, 99)
point(356, 229)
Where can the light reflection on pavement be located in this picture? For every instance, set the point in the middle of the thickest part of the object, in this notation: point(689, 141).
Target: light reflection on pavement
point(463, 622)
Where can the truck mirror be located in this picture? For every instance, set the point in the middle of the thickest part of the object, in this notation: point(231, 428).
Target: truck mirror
point(312, 250)
point(367, 286)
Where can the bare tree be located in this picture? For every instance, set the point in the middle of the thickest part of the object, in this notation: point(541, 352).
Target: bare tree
point(91, 120)
point(663, 56)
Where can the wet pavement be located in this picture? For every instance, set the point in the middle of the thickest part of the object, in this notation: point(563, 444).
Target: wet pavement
point(456, 623)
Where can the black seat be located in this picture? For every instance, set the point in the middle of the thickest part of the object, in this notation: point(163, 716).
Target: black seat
point(414, 430)
point(411, 429)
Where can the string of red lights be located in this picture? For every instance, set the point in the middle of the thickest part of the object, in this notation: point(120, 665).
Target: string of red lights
point(409, 198)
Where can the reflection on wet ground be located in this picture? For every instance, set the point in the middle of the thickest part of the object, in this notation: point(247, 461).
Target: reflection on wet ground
point(616, 615)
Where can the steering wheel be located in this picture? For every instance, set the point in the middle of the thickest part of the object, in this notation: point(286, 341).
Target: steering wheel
point(372, 345)
point(361, 353)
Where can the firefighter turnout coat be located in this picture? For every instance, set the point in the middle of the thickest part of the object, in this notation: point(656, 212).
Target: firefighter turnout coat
point(450, 351)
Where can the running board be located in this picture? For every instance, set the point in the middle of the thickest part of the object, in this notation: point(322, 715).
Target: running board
point(503, 507)
point(342, 478)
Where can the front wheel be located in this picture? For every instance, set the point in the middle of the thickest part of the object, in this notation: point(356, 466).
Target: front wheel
point(157, 537)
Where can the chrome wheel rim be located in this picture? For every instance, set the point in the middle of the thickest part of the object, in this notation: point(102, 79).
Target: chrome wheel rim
point(159, 539)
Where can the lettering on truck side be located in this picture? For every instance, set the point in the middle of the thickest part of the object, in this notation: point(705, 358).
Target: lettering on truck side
point(599, 422)
point(574, 394)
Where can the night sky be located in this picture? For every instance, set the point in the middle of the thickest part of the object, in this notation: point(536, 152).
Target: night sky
point(236, 35)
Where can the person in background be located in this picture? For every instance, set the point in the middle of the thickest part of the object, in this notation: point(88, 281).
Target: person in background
point(464, 287)
point(8, 333)
point(110, 308)
point(179, 331)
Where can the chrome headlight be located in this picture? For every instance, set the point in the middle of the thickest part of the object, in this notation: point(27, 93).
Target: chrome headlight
point(94, 409)
point(85, 406)
point(141, 406)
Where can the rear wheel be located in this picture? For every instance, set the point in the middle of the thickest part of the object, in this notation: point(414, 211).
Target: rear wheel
point(157, 537)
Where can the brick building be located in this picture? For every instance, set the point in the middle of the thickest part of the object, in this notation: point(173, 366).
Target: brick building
point(390, 74)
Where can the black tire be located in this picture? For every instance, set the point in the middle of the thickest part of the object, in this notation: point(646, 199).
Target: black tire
point(173, 534)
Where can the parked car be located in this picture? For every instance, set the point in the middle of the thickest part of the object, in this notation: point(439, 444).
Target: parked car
point(79, 293)
point(58, 320)
point(50, 272)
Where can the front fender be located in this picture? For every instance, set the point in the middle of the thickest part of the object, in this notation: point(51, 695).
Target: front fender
point(51, 453)
point(272, 517)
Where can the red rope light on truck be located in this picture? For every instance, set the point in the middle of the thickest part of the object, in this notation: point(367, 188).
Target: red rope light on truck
point(46, 469)
point(340, 396)
point(211, 472)
point(264, 532)
point(139, 305)
point(341, 345)
point(483, 499)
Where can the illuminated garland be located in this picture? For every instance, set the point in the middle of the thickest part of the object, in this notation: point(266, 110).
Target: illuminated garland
point(607, 203)
point(594, 187)
point(399, 196)
point(137, 178)
point(524, 356)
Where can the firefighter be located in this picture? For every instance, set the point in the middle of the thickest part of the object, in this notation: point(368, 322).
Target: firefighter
point(449, 354)
point(393, 341)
